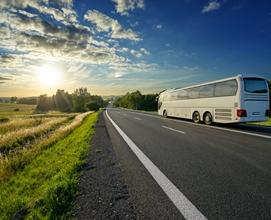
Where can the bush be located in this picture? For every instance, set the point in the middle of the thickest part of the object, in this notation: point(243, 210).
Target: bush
point(3, 120)
point(93, 106)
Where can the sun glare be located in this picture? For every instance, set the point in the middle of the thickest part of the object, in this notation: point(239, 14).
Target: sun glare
point(49, 75)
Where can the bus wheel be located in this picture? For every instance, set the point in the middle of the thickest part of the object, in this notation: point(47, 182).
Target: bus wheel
point(207, 118)
point(196, 117)
point(165, 113)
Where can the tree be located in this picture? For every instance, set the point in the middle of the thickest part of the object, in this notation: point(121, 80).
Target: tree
point(79, 99)
point(13, 99)
point(45, 103)
point(136, 100)
point(62, 101)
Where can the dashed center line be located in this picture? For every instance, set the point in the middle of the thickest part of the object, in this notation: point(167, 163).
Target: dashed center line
point(172, 129)
point(137, 118)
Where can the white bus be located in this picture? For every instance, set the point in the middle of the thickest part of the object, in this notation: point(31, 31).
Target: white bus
point(231, 100)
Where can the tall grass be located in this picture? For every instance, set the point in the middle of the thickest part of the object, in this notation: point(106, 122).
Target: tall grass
point(17, 123)
point(45, 187)
point(9, 165)
point(14, 139)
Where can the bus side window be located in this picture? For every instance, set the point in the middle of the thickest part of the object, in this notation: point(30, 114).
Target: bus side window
point(193, 93)
point(206, 91)
point(182, 94)
point(228, 88)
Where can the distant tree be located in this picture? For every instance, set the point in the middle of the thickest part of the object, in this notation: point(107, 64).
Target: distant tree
point(45, 103)
point(1, 100)
point(136, 100)
point(62, 101)
point(13, 99)
point(93, 106)
point(27, 100)
point(79, 99)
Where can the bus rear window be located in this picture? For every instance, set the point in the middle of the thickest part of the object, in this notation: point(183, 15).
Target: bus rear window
point(255, 85)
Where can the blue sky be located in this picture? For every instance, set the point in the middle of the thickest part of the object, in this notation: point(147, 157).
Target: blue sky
point(115, 46)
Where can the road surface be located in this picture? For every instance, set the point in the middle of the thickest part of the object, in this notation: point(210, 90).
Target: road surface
point(219, 172)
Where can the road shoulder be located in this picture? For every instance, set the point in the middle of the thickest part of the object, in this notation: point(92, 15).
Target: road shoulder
point(102, 193)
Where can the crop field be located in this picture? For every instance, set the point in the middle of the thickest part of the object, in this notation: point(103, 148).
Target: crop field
point(24, 139)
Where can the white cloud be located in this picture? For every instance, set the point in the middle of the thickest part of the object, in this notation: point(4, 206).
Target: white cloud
point(140, 52)
point(29, 39)
point(104, 23)
point(159, 26)
point(212, 6)
point(124, 6)
point(144, 51)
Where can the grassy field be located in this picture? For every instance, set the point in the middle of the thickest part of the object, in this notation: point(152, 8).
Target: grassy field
point(40, 159)
point(12, 109)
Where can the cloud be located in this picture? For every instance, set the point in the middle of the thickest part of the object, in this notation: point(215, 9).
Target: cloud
point(36, 32)
point(212, 6)
point(4, 78)
point(159, 26)
point(104, 23)
point(124, 6)
point(139, 53)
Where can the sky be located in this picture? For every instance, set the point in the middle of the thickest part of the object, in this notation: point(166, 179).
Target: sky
point(115, 46)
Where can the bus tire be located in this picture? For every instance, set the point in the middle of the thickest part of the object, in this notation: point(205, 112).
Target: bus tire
point(207, 118)
point(196, 117)
point(165, 113)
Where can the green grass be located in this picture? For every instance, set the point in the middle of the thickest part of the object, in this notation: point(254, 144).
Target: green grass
point(45, 187)
point(264, 123)
point(11, 109)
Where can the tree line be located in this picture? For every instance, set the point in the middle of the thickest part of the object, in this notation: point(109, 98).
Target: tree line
point(137, 101)
point(79, 101)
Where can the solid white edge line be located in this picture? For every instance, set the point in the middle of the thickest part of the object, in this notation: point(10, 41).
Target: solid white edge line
point(207, 126)
point(172, 129)
point(186, 208)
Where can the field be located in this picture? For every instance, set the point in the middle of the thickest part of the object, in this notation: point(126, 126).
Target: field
point(40, 159)
point(9, 109)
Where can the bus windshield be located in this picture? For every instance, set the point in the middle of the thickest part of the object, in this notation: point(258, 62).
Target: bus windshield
point(255, 85)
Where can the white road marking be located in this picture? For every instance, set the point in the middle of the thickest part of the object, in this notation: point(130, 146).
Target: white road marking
point(208, 126)
point(172, 129)
point(186, 208)
point(137, 118)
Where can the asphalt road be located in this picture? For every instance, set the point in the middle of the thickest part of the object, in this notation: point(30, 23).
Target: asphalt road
point(224, 174)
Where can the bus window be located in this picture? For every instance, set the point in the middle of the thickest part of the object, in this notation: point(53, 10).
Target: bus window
point(206, 91)
point(193, 93)
point(227, 88)
point(182, 94)
point(255, 85)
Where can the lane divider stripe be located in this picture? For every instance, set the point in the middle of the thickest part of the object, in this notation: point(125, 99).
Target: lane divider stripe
point(172, 129)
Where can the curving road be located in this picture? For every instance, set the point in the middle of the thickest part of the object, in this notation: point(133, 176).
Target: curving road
point(219, 172)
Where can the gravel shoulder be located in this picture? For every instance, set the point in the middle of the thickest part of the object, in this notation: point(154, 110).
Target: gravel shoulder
point(102, 192)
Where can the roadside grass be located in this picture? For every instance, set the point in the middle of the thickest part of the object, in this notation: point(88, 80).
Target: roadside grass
point(264, 123)
point(10, 164)
point(9, 109)
point(46, 186)
point(17, 138)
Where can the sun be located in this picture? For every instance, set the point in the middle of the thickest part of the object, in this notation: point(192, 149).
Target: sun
point(49, 75)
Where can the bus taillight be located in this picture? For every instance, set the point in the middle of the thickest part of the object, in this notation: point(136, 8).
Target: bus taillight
point(241, 113)
point(267, 113)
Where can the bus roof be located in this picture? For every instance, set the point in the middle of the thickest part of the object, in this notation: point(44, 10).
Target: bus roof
point(210, 82)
